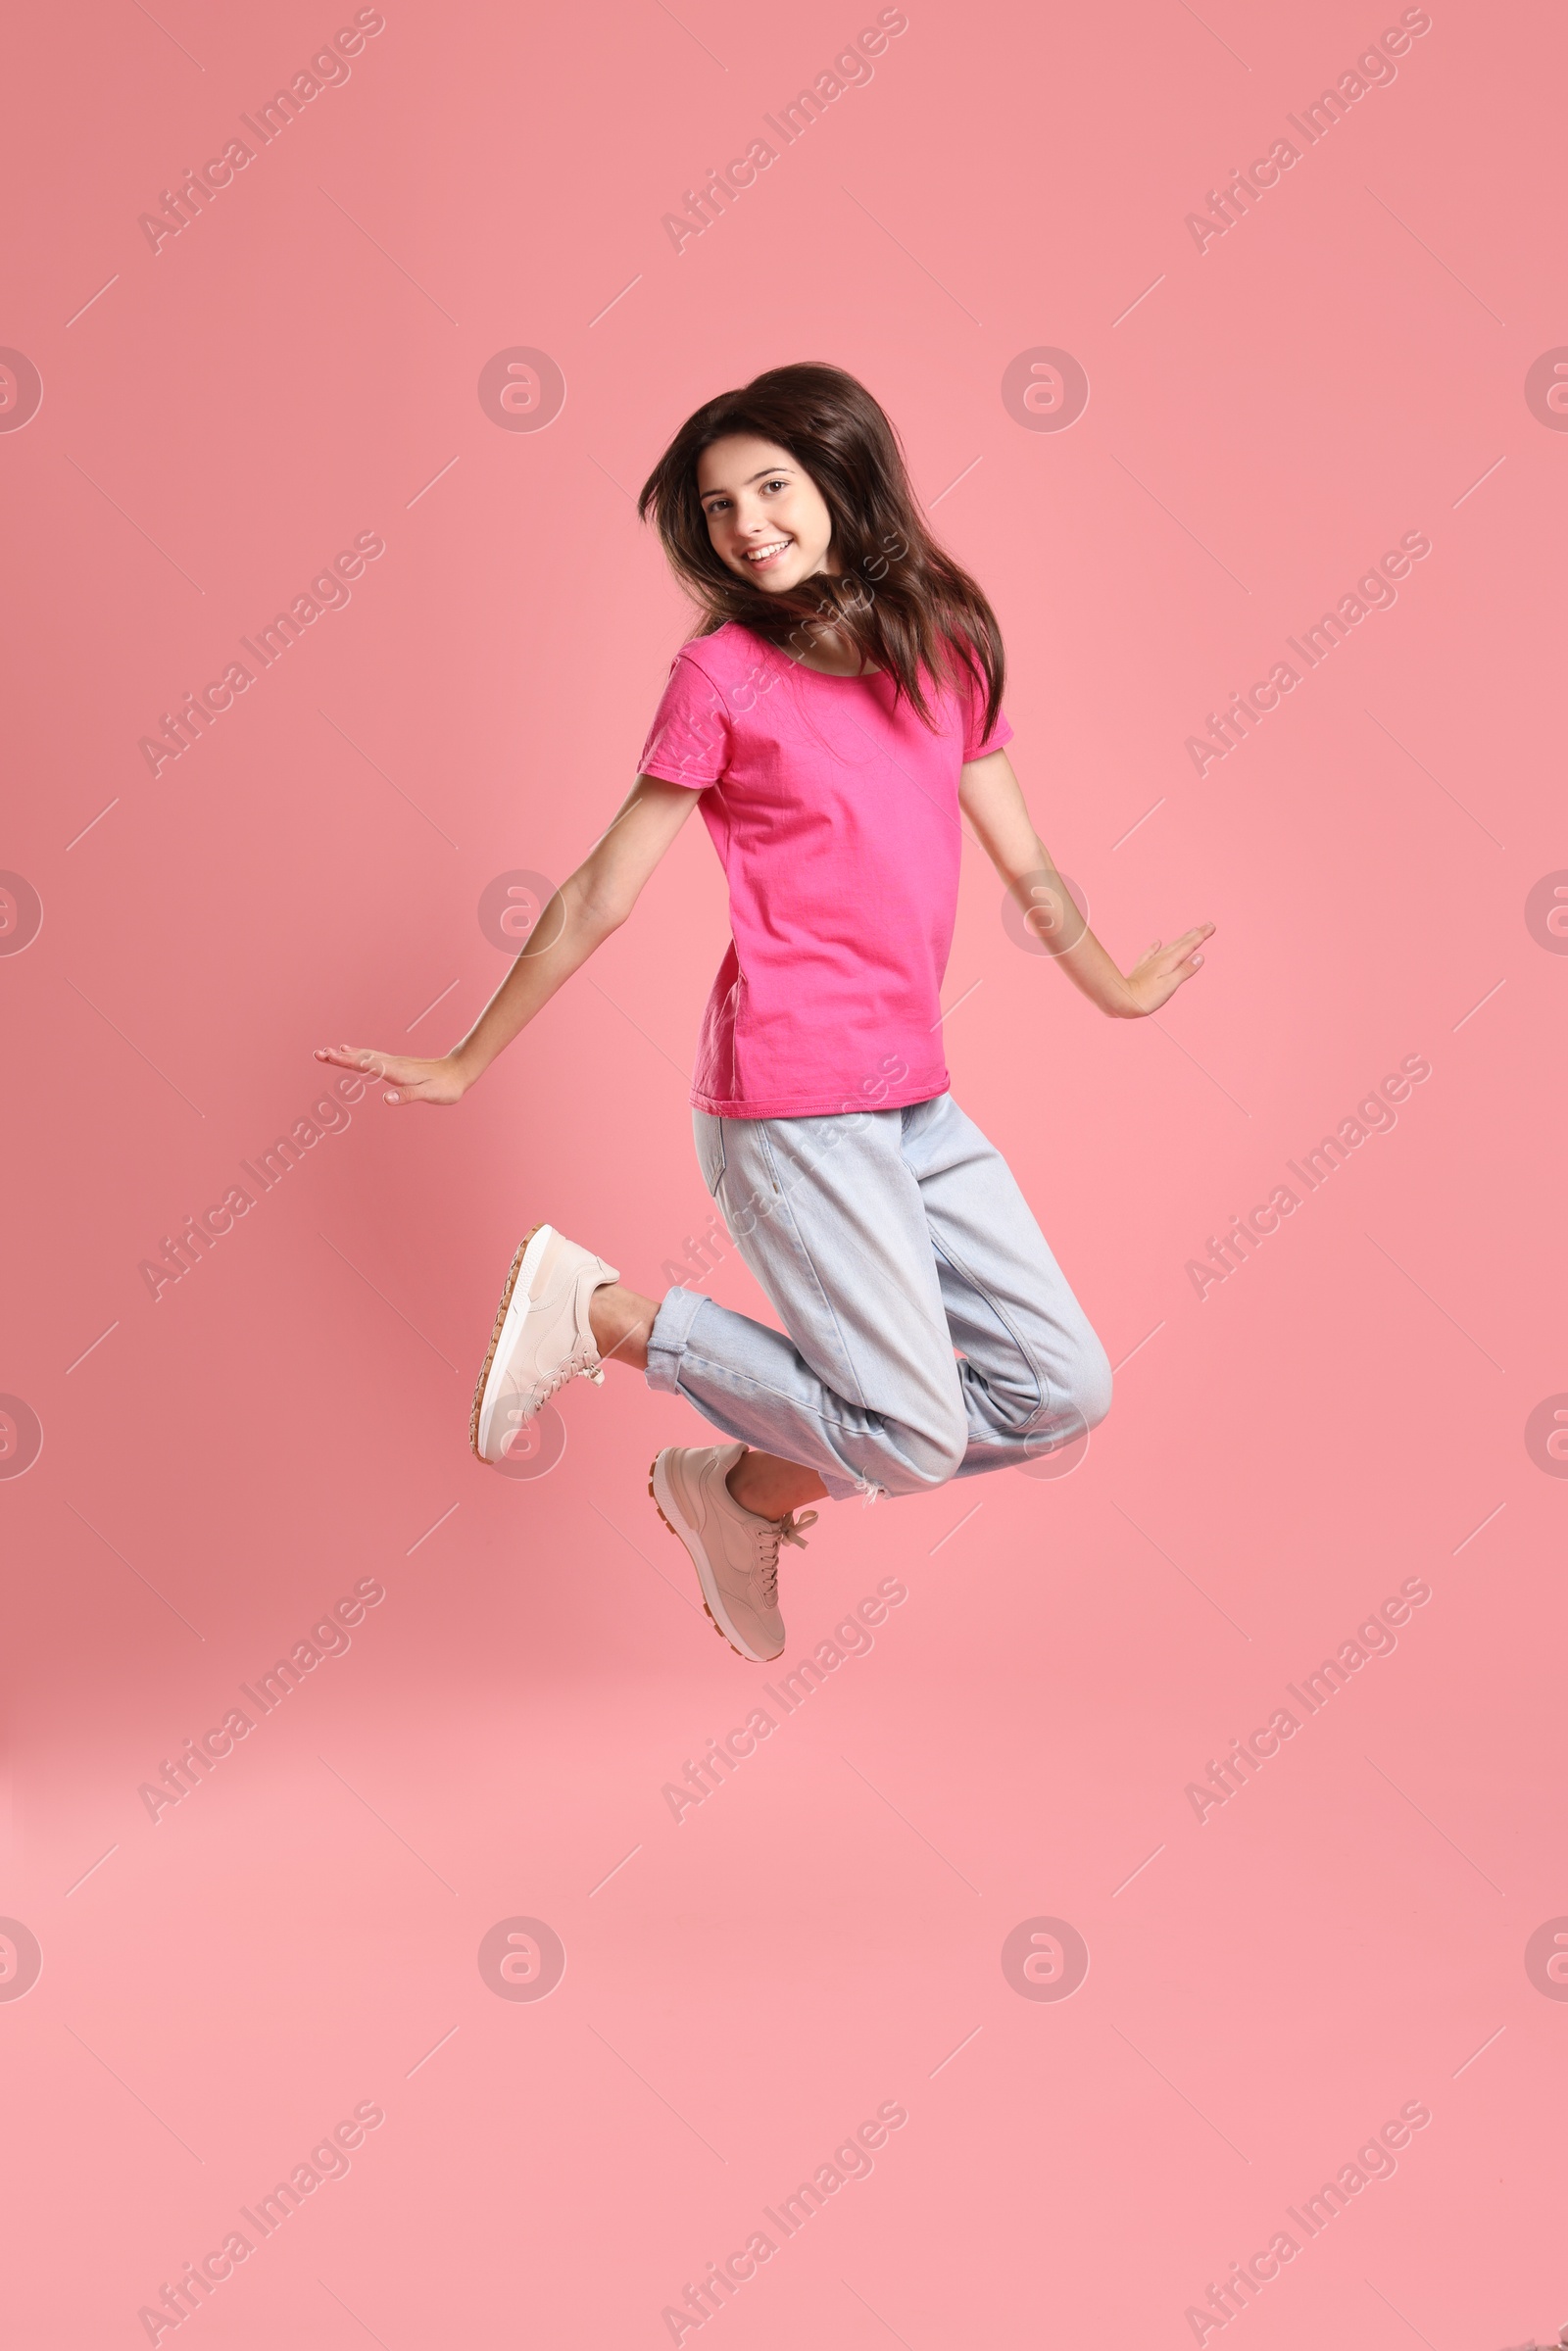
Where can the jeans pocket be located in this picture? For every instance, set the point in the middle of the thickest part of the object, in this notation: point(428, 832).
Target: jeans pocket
point(709, 1134)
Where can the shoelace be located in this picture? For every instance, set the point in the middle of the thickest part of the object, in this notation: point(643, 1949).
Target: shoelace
point(583, 1364)
point(769, 1539)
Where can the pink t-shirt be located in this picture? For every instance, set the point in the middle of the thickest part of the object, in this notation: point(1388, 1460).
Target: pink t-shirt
point(836, 820)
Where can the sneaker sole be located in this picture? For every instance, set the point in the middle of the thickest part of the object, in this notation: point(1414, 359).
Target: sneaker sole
point(655, 1479)
point(512, 1277)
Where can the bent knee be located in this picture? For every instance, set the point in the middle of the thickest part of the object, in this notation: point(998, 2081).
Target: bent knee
point(1089, 1386)
point(915, 1460)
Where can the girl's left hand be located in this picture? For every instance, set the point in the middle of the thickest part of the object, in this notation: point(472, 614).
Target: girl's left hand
point(1154, 979)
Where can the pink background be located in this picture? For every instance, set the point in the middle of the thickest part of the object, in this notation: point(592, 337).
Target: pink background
point(301, 1932)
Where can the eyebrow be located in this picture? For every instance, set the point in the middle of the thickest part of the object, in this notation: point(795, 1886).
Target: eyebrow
point(767, 474)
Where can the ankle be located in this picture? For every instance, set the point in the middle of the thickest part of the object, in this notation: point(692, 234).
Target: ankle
point(743, 1486)
point(620, 1321)
point(769, 1488)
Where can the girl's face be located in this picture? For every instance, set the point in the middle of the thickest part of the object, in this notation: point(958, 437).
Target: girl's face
point(767, 518)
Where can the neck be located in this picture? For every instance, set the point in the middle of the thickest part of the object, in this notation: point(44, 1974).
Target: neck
point(833, 653)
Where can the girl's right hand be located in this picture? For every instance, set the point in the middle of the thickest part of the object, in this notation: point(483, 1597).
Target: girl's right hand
point(410, 1081)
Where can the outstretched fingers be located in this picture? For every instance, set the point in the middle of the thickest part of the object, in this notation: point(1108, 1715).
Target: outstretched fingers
point(1185, 955)
point(365, 1064)
point(351, 1056)
point(409, 1078)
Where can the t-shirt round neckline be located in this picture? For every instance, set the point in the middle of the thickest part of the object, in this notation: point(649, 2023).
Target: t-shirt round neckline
point(835, 677)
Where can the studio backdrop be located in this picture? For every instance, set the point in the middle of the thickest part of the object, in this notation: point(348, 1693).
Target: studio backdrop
point(1134, 1908)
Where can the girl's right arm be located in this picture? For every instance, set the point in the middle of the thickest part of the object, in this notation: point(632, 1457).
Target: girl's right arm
point(590, 903)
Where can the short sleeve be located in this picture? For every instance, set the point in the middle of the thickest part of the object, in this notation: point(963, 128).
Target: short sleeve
point(689, 741)
point(977, 744)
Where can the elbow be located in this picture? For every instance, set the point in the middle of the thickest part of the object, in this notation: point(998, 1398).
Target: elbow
point(599, 912)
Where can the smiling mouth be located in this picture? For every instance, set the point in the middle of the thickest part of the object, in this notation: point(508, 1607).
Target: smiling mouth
point(756, 556)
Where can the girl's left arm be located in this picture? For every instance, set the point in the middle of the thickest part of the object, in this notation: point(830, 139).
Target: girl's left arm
point(990, 796)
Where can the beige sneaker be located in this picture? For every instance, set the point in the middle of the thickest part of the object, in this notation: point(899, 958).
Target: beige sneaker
point(734, 1551)
point(542, 1337)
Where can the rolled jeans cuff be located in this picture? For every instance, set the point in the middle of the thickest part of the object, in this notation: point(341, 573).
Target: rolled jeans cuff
point(666, 1341)
point(717, 1393)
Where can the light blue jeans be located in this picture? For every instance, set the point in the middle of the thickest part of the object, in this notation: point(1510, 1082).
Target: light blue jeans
point(931, 1334)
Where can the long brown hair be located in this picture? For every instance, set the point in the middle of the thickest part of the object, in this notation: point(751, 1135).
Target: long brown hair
point(898, 597)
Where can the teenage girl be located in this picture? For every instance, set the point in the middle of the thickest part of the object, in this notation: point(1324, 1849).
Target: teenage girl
point(837, 711)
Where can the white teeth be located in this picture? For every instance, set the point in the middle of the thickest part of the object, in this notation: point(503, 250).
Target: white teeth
point(759, 555)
